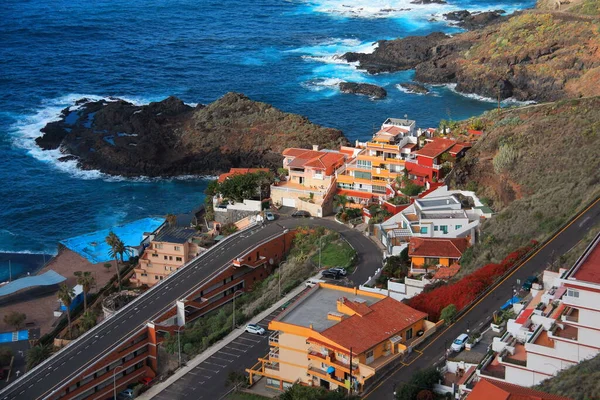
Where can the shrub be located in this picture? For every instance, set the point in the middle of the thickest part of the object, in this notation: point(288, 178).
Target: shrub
point(448, 314)
point(504, 159)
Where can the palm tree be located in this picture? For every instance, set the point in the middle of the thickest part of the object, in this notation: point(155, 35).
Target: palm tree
point(116, 247)
point(66, 295)
point(37, 354)
point(87, 321)
point(340, 200)
point(87, 281)
point(111, 239)
point(171, 219)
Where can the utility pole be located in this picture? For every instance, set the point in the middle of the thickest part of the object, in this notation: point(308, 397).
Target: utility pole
point(350, 389)
point(320, 237)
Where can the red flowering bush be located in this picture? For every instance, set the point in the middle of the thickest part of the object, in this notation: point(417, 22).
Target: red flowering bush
point(464, 291)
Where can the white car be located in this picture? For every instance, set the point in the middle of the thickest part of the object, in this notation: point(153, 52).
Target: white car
point(341, 270)
point(459, 342)
point(253, 328)
point(270, 216)
point(312, 282)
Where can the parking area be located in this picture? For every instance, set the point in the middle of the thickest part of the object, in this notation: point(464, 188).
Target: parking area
point(208, 380)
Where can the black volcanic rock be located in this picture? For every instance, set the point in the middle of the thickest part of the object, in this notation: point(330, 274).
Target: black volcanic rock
point(415, 88)
point(366, 89)
point(398, 54)
point(170, 138)
point(470, 20)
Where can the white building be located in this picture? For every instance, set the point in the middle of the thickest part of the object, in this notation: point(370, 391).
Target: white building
point(559, 328)
point(437, 215)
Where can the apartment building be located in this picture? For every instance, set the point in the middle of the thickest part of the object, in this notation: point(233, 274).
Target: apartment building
point(337, 337)
point(558, 328)
point(425, 165)
point(169, 249)
point(440, 214)
point(310, 184)
point(379, 161)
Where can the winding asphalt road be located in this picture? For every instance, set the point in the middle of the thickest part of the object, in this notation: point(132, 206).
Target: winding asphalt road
point(50, 376)
point(433, 350)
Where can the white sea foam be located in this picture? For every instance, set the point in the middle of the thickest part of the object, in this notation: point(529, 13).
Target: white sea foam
point(25, 252)
point(508, 101)
point(377, 8)
point(27, 129)
point(408, 91)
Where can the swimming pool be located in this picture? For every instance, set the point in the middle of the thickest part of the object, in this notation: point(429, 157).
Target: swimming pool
point(93, 247)
point(6, 337)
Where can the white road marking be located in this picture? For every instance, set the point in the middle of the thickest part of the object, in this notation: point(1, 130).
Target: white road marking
point(229, 354)
point(221, 358)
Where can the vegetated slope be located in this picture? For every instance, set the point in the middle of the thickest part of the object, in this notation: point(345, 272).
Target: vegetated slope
point(170, 138)
point(537, 166)
point(580, 382)
point(533, 55)
point(585, 7)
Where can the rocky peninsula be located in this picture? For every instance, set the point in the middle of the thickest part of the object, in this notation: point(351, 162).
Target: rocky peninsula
point(170, 138)
point(533, 55)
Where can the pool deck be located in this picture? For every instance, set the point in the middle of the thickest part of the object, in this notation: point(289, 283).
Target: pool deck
point(39, 310)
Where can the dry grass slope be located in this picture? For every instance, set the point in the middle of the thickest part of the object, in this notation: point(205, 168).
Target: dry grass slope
point(555, 172)
point(580, 382)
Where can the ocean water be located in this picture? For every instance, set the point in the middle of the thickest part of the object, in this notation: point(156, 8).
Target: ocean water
point(281, 52)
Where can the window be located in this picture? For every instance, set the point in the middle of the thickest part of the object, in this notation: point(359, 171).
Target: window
point(155, 277)
point(424, 229)
point(573, 293)
point(177, 248)
point(362, 175)
point(457, 227)
point(178, 259)
point(378, 189)
point(409, 334)
point(155, 255)
point(171, 258)
point(161, 278)
point(158, 245)
point(436, 228)
point(444, 228)
point(144, 274)
point(166, 258)
point(166, 268)
point(363, 164)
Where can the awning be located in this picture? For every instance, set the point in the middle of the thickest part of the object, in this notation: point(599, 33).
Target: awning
point(355, 193)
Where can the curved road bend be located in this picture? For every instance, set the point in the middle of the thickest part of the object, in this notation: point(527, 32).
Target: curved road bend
point(64, 365)
point(433, 350)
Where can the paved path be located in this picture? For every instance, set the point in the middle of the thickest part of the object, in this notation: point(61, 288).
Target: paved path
point(97, 343)
point(433, 350)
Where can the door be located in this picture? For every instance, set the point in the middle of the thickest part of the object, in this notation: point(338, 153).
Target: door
point(288, 202)
point(370, 357)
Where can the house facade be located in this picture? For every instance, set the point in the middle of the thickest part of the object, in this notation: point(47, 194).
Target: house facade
point(169, 249)
point(432, 253)
point(425, 165)
point(337, 337)
point(310, 183)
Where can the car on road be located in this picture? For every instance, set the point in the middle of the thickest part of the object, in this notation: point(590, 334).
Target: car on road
point(270, 216)
point(331, 274)
point(146, 380)
point(126, 394)
point(301, 214)
point(253, 328)
point(529, 282)
point(341, 270)
point(459, 342)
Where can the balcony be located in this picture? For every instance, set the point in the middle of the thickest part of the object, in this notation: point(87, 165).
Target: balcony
point(319, 373)
point(274, 339)
point(437, 166)
point(274, 354)
point(571, 315)
point(568, 332)
point(518, 358)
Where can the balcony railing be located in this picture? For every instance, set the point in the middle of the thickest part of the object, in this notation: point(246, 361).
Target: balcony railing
point(274, 338)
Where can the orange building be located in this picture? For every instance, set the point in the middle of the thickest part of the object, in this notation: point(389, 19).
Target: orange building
point(494, 390)
point(432, 253)
point(171, 247)
point(240, 171)
point(337, 337)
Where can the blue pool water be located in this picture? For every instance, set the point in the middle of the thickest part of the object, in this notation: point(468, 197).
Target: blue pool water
point(282, 52)
point(93, 246)
point(7, 337)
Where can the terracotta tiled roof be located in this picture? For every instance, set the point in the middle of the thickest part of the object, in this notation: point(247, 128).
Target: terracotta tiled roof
point(496, 390)
point(388, 318)
point(458, 147)
point(294, 152)
point(325, 160)
point(437, 247)
point(240, 171)
point(436, 147)
point(589, 270)
point(447, 272)
point(313, 159)
point(394, 130)
point(360, 308)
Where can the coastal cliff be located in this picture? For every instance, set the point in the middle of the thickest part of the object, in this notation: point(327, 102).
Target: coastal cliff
point(534, 55)
point(170, 138)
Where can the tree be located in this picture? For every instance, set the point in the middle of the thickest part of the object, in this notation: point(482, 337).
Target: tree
point(37, 354)
point(448, 313)
point(340, 200)
point(66, 295)
point(87, 281)
point(117, 248)
point(15, 319)
point(107, 266)
point(171, 219)
point(212, 188)
point(87, 321)
point(425, 395)
point(422, 380)
point(6, 355)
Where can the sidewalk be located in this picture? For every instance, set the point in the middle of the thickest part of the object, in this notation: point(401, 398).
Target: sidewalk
point(159, 387)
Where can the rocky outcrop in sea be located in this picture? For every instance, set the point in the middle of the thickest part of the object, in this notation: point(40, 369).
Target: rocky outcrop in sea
point(366, 89)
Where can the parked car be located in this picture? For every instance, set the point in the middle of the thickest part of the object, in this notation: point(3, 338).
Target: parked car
point(312, 282)
point(529, 282)
point(126, 394)
point(301, 214)
point(146, 380)
point(253, 328)
point(459, 342)
point(331, 274)
point(341, 270)
point(270, 216)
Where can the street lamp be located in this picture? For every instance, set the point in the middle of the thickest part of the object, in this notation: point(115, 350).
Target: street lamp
point(280, 273)
point(178, 330)
point(115, 380)
point(320, 237)
point(234, 295)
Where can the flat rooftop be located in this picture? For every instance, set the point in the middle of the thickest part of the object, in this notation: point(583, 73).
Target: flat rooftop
point(444, 201)
point(314, 307)
point(587, 268)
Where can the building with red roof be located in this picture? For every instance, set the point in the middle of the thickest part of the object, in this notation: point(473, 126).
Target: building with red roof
point(425, 165)
point(240, 171)
point(336, 337)
point(310, 182)
point(431, 253)
point(494, 390)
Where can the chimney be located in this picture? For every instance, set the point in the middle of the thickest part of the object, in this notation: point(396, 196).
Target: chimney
point(315, 147)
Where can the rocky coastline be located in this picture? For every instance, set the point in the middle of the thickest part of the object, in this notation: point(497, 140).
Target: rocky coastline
point(365, 89)
point(169, 138)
